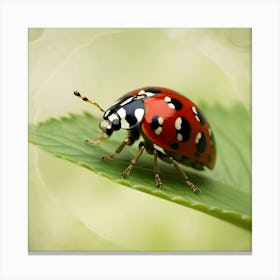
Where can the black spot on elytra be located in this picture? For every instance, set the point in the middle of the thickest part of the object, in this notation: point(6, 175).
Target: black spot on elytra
point(178, 105)
point(201, 145)
point(174, 146)
point(152, 90)
point(197, 154)
point(209, 158)
point(185, 130)
point(154, 124)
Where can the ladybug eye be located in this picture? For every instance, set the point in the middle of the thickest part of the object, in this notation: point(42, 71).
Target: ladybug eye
point(106, 127)
point(116, 124)
point(109, 131)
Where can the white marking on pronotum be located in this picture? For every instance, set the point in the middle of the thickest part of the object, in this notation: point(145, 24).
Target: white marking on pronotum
point(160, 121)
point(128, 100)
point(113, 117)
point(178, 123)
point(124, 124)
point(139, 113)
point(122, 113)
point(106, 114)
point(179, 137)
point(197, 138)
point(158, 130)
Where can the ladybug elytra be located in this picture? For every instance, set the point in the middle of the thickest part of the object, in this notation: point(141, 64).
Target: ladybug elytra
point(173, 129)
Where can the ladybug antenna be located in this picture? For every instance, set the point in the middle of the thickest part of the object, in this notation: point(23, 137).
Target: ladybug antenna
point(89, 101)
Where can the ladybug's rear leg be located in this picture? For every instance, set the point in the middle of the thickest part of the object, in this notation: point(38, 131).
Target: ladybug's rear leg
point(159, 183)
point(170, 160)
point(193, 187)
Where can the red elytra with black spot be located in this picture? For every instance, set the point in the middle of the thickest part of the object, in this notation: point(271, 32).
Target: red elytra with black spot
point(156, 106)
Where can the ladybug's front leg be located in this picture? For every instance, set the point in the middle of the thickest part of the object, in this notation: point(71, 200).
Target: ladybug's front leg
point(127, 141)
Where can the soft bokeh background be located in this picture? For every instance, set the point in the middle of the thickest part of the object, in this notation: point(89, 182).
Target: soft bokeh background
point(72, 208)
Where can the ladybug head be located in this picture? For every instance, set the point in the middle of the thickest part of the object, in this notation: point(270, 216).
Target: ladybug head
point(108, 126)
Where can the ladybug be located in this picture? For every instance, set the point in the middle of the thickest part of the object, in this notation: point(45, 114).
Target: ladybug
point(172, 127)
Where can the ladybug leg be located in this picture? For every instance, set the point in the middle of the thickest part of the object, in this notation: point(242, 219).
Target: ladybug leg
point(170, 160)
point(184, 176)
point(127, 141)
point(159, 183)
point(96, 142)
point(134, 160)
point(132, 137)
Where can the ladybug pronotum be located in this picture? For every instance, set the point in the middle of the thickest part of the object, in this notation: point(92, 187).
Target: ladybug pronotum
point(172, 127)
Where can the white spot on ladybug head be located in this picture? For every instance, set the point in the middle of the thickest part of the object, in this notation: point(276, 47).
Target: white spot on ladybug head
point(139, 113)
point(197, 138)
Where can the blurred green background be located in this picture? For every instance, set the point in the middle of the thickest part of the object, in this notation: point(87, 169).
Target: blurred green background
point(72, 208)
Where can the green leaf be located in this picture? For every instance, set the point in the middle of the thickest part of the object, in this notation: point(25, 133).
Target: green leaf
point(226, 191)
